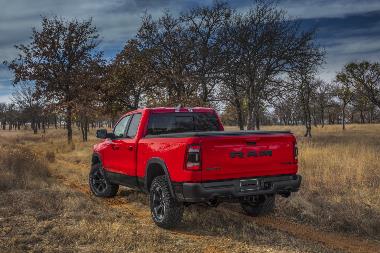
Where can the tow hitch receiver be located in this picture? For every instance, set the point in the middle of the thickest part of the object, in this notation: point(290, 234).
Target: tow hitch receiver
point(249, 185)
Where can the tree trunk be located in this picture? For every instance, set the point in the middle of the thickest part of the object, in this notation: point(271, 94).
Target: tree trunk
point(34, 126)
point(305, 101)
point(43, 126)
point(307, 116)
point(344, 118)
point(84, 128)
point(315, 120)
point(308, 124)
point(257, 119)
point(323, 118)
point(308, 128)
point(239, 112)
point(251, 101)
point(69, 124)
point(361, 117)
point(250, 125)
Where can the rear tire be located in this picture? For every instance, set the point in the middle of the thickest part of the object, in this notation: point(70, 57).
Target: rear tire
point(99, 184)
point(166, 211)
point(260, 207)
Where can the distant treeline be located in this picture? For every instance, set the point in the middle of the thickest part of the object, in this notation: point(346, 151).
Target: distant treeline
point(257, 67)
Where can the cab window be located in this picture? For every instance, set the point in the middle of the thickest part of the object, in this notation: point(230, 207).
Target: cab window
point(120, 128)
point(133, 126)
point(179, 122)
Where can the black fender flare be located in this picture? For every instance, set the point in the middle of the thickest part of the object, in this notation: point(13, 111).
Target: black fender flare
point(159, 161)
point(97, 156)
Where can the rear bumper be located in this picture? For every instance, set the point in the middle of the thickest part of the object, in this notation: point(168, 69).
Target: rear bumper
point(232, 189)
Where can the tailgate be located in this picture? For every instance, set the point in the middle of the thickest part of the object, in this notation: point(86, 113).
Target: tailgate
point(229, 157)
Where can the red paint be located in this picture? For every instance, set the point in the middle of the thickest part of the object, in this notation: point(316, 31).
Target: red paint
point(130, 155)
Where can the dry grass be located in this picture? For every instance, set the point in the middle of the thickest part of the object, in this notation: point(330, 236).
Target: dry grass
point(63, 217)
point(61, 220)
point(341, 187)
point(21, 168)
point(340, 192)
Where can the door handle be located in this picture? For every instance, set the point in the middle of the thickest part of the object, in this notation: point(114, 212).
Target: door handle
point(130, 148)
point(115, 147)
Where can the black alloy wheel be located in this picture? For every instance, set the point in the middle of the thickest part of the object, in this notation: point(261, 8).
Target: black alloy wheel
point(158, 203)
point(99, 184)
point(165, 209)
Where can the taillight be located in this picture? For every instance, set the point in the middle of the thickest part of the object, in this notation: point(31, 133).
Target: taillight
point(295, 152)
point(193, 157)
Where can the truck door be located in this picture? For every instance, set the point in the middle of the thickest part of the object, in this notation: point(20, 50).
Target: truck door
point(124, 149)
point(110, 144)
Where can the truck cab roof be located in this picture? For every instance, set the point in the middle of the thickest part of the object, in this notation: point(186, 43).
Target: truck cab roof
point(172, 109)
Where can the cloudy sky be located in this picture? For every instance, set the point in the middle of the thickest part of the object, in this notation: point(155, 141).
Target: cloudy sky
point(348, 29)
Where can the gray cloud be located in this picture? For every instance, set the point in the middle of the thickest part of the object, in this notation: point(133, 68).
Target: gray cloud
point(328, 8)
point(5, 92)
point(118, 20)
point(346, 49)
point(319, 8)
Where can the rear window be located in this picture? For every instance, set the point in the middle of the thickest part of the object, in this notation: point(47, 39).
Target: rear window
point(179, 122)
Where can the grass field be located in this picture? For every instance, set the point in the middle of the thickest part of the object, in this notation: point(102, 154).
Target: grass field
point(341, 187)
point(45, 204)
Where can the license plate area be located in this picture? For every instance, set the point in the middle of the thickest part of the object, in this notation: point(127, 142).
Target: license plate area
point(249, 185)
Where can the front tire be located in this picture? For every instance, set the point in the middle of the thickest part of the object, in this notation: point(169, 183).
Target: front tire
point(263, 206)
point(99, 184)
point(166, 211)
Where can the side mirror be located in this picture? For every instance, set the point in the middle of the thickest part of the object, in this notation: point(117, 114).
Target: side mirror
point(101, 133)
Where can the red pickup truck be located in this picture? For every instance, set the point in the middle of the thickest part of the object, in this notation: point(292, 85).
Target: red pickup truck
point(182, 156)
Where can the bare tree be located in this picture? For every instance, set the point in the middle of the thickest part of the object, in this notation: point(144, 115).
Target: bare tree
point(344, 91)
point(362, 105)
point(89, 100)
point(232, 89)
point(129, 79)
point(3, 115)
point(304, 83)
point(170, 57)
point(55, 60)
point(286, 109)
point(323, 96)
point(269, 44)
point(365, 76)
point(204, 26)
point(29, 103)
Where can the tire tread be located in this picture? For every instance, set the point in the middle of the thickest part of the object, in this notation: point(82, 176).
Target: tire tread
point(174, 208)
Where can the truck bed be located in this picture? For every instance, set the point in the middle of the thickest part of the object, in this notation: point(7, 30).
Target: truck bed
point(229, 155)
point(247, 154)
point(217, 133)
